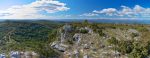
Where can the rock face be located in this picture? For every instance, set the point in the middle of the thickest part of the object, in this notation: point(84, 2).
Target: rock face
point(91, 44)
point(81, 42)
point(67, 28)
point(77, 38)
point(62, 37)
point(85, 56)
point(60, 47)
point(20, 54)
point(15, 54)
point(2, 55)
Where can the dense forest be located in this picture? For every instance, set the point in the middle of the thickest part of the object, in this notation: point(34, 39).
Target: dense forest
point(28, 35)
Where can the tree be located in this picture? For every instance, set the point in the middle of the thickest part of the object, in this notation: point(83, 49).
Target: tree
point(85, 22)
point(113, 40)
point(125, 47)
point(83, 31)
point(100, 32)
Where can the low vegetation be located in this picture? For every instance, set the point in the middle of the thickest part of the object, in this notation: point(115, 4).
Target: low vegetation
point(37, 36)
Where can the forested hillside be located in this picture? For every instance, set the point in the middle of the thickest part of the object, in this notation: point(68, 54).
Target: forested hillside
point(28, 35)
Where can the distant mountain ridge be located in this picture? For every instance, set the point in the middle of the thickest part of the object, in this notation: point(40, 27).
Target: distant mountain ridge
point(111, 21)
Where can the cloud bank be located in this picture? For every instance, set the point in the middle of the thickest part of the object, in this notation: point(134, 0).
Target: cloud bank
point(136, 12)
point(89, 14)
point(33, 10)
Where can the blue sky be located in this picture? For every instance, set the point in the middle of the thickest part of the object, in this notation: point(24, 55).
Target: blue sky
point(74, 9)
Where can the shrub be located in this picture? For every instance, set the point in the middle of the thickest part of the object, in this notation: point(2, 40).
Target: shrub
point(84, 31)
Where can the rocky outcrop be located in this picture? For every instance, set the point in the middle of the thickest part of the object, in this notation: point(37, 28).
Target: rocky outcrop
point(20, 54)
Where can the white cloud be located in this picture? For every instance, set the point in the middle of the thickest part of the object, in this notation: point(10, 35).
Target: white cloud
point(108, 11)
point(136, 12)
point(89, 14)
point(138, 9)
point(125, 11)
point(33, 10)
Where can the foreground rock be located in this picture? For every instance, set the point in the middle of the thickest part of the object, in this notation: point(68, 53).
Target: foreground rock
point(20, 54)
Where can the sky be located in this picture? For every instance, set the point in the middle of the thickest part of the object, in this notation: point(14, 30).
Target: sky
point(75, 9)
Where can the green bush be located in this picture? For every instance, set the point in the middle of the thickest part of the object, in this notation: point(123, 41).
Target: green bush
point(83, 31)
point(113, 40)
